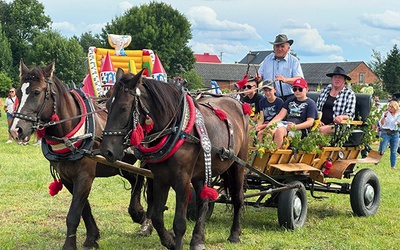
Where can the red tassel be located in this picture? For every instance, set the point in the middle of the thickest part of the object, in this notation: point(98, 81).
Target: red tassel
point(148, 124)
point(40, 133)
point(221, 114)
point(208, 192)
point(137, 135)
point(54, 118)
point(55, 187)
point(242, 82)
point(246, 109)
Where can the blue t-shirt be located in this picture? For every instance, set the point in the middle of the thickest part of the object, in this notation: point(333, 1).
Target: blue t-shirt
point(299, 111)
point(270, 110)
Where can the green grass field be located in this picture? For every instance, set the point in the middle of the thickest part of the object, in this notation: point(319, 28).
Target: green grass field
point(31, 219)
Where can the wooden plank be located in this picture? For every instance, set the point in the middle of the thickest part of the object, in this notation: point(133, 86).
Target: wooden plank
point(123, 165)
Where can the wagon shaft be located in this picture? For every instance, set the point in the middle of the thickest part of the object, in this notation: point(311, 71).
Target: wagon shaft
point(124, 166)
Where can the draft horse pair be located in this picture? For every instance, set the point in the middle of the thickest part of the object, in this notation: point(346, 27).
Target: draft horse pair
point(70, 124)
point(183, 140)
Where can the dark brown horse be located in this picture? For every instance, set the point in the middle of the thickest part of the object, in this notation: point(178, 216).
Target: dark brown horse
point(71, 127)
point(176, 151)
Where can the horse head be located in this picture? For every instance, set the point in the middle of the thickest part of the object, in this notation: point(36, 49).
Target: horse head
point(138, 106)
point(123, 113)
point(33, 107)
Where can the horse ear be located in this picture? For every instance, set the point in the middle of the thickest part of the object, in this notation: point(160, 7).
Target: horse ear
point(138, 77)
point(49, 69)
point(22, 68)
point(120, 73)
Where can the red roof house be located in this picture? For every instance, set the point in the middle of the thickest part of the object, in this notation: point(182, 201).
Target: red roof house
point(207, 58)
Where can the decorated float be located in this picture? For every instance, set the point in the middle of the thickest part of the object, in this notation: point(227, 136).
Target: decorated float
point(103, 64)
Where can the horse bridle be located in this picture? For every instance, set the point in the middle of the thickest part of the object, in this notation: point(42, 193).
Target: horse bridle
point(38, 123)
point(135, 119)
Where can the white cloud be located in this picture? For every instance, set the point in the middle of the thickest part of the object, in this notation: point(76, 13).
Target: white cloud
point(95, 27)
point(204, 20)
point(386, 20)
point(64, 26)
point(309, 41)
point(124, 6)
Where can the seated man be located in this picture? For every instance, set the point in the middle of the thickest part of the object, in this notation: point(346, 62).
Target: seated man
point(299, 111)
point(270, 106)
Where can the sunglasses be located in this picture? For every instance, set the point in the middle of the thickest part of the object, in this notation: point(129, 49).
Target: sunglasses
point(248, 86)
point(11, 91)
point(297, 89)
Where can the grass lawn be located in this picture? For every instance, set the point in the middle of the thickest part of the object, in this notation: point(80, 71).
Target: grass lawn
point(31, 219)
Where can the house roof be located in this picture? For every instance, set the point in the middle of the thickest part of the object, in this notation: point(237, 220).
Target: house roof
point(207, 58)
point(316, 72)
point(223, 71)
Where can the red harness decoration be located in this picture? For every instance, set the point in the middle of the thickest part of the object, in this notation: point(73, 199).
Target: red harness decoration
point(180, 141)
point(62, 148)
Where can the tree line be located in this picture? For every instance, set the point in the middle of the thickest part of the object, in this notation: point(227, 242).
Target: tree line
point(25, 32)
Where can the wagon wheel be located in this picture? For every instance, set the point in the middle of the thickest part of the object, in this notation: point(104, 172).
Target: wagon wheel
point(292, 206)
point(365, 193)
point(191, 213)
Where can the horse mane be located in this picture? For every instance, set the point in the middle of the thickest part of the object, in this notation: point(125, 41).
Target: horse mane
point(166, 96)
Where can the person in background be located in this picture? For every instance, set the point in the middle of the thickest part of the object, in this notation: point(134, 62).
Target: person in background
point(270, 106)
point(9, 109)
point(390, 123)
point(253, 98)
point(298, 113)
point(281, 66)
point(337, 102)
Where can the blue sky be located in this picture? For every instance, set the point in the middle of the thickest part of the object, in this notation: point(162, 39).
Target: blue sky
point(323, 31)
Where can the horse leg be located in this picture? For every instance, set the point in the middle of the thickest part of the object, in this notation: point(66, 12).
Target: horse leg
point(92, 231)
point(198, 238)
point(135, 209)
point(182, 189)
point(147, 227)
point(236, 186)
point(80, 207)
point(160, 194)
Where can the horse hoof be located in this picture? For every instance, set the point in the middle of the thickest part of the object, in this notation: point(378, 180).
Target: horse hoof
point(198, 247)
point(146, 228)
point(233, 239)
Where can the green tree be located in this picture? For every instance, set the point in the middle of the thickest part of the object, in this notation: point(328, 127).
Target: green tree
point(22, 20)
point(159, 27)
point(5, 53)
point(377, 62)
point(391, 71)
point(5, 84)
point(67, 53)
point(194, 81)
point(87, 40)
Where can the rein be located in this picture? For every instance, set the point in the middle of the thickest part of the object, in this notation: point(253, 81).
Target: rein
point(52, 123)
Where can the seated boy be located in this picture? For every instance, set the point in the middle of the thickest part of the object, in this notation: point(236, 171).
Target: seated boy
point(298, 113)
point(270, 106)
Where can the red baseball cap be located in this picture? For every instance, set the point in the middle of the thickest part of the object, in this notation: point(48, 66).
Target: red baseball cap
point(300, 83)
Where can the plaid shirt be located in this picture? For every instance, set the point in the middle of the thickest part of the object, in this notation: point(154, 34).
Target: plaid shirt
point(345, 102)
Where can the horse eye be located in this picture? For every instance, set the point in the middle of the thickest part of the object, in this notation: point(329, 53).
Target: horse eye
point(36, 92)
